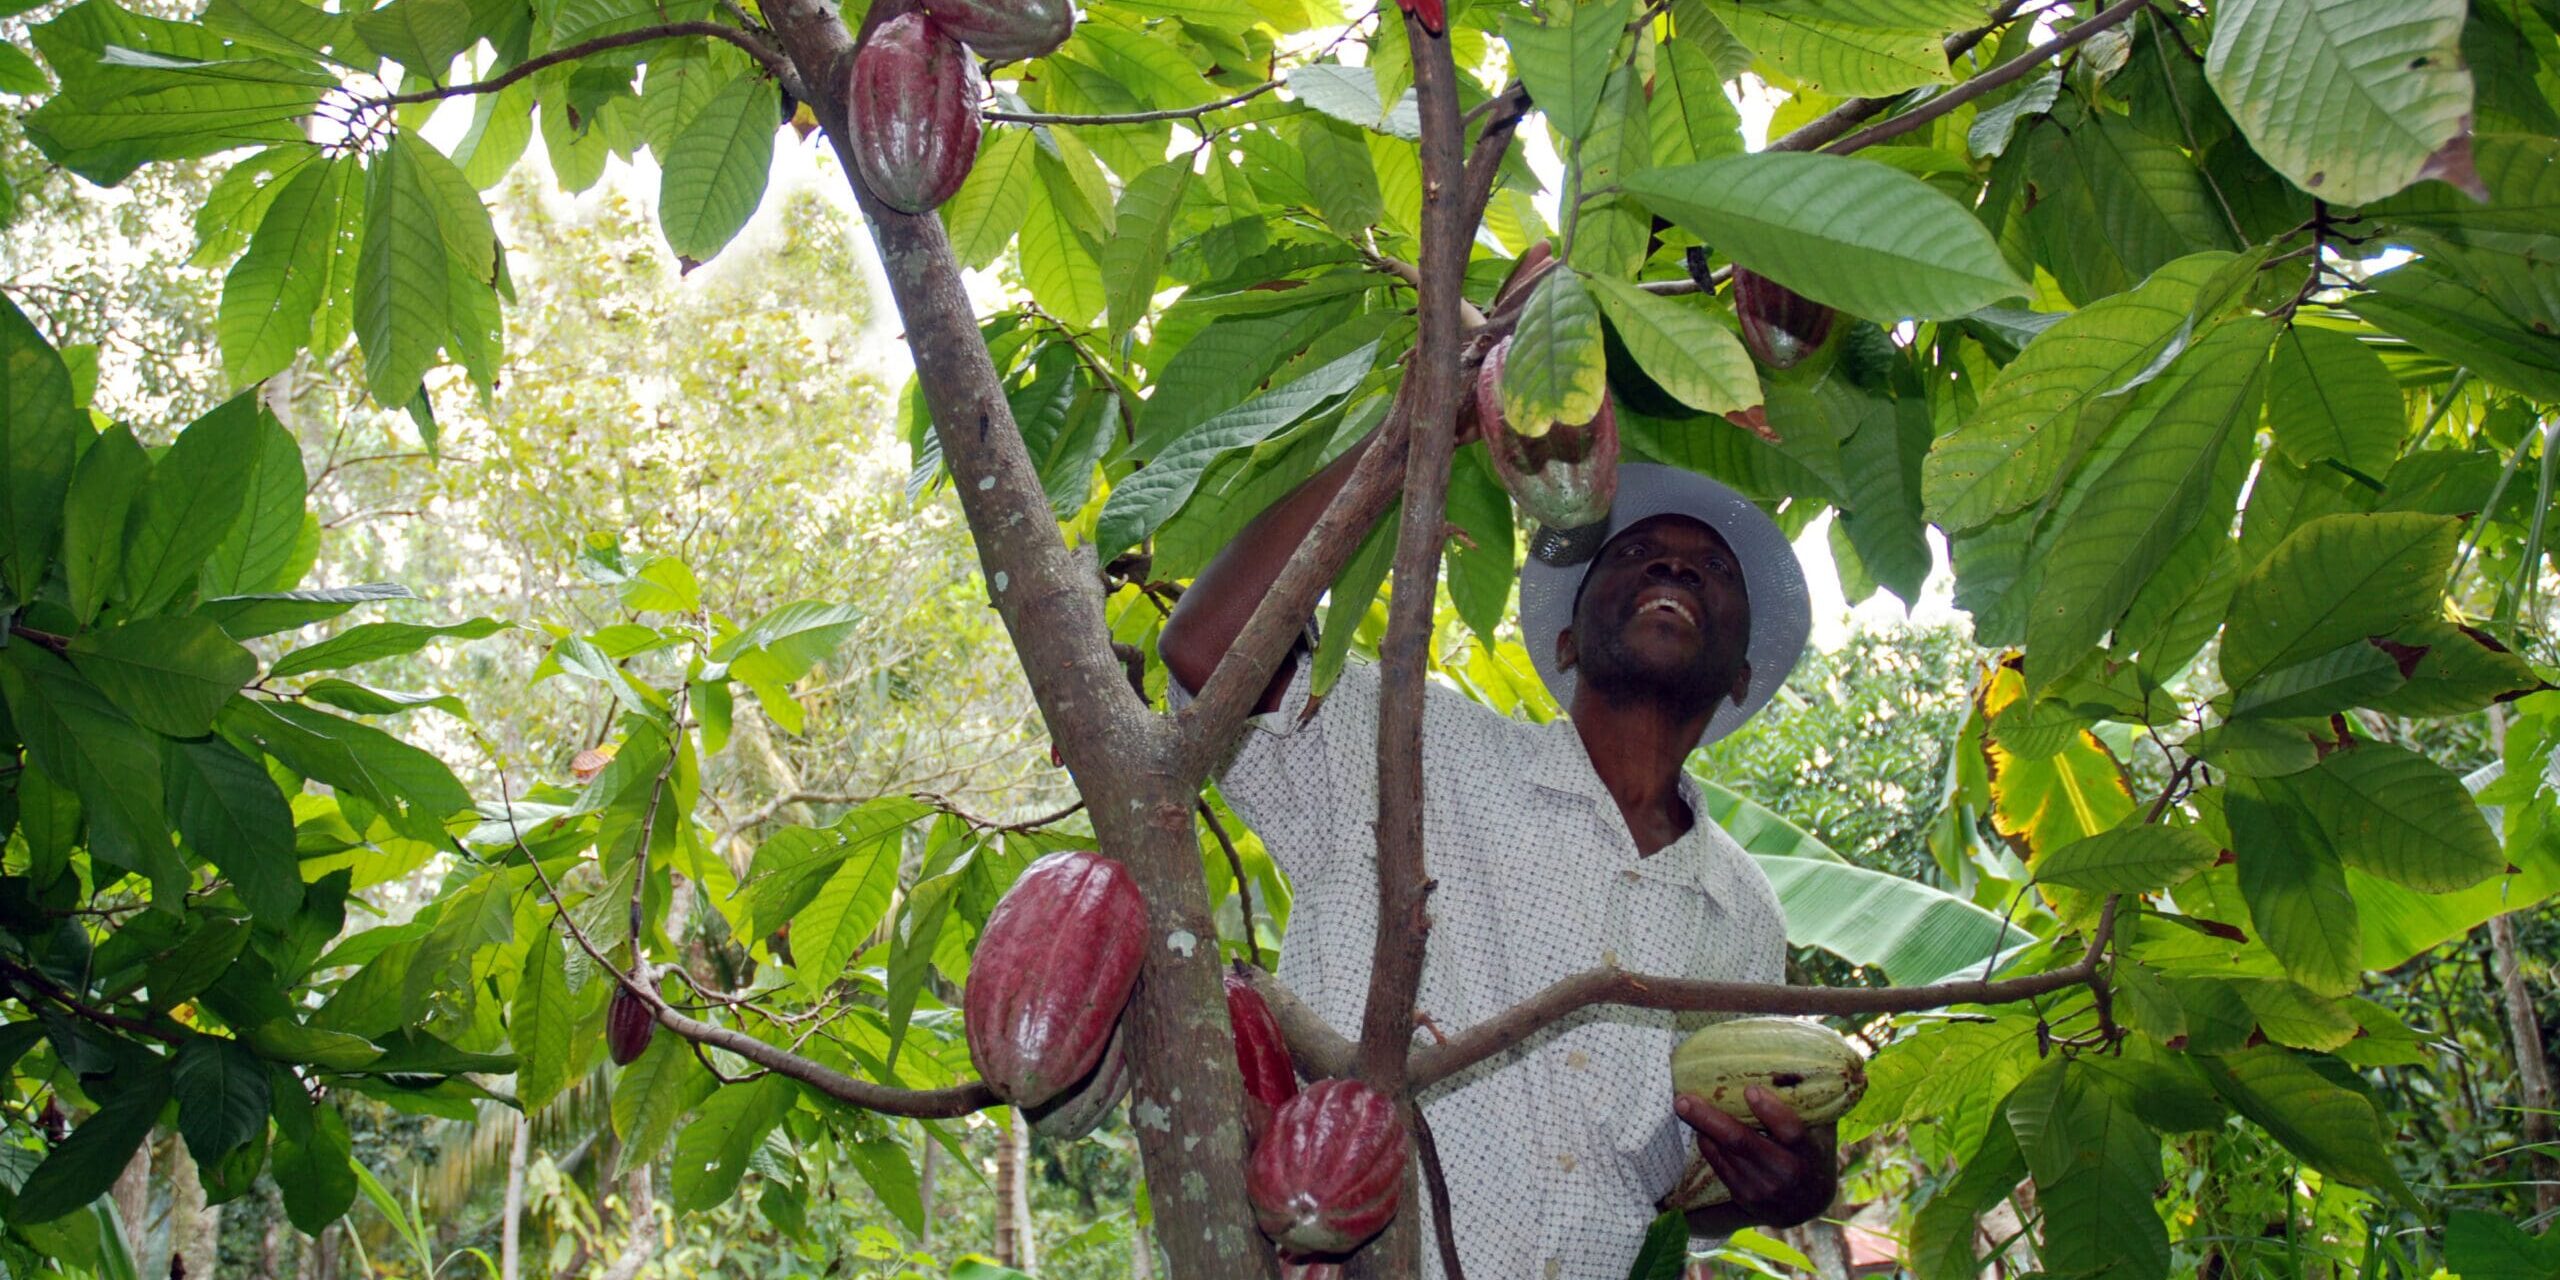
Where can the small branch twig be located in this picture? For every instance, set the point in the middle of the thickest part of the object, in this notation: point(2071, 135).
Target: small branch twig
point(1133, 117)
point(2008, 72)
point(1436, 1181)
point(1235, 865)
point(1856, 111)
point(78, 1008)
point(766, 55)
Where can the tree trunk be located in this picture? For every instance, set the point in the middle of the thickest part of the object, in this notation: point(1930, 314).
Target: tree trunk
point(195, 1229)
point(510, 1229)
point(1142, 1251)
point(2533, 1061)
point(1822, 1241)
point(641, 1199)
point(132, 1195)
point(1014, 1246)
point(271, 1249)
point(924, 1188)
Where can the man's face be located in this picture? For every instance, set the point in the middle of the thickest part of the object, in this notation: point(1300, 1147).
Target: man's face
point(1663, 617)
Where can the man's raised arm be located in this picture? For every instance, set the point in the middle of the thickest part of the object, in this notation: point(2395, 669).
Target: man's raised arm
point(1219, 602)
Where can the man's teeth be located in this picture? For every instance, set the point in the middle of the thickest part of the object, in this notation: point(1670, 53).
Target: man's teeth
point(1673, 607)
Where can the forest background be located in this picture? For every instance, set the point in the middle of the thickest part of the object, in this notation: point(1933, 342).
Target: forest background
point(739, 438)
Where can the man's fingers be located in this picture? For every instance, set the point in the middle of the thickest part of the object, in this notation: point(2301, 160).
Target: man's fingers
point(1777, 1119)
point(1708, 1121)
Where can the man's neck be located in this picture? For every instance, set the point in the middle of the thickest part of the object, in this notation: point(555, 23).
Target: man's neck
point(1637, 751)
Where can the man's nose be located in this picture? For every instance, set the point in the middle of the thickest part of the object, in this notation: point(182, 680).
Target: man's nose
point(1673, 569)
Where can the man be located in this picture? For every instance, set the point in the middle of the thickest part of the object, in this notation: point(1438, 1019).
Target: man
point(1556, 848)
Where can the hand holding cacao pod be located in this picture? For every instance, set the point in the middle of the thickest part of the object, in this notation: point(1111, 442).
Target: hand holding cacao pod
point(912, 113)
point(1811, 1068)
point(1053, 970)
point(1331, 1172)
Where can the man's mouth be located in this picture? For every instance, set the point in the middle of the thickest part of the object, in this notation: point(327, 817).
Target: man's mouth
point(1667, 602)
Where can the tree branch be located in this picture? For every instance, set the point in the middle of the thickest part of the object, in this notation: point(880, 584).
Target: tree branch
point(1134, 117)
point(2006, 73)
point(765, 54)
point(75, 1006)
point(1235, 867)
point(1856, 111)
point(1319, 1051)
point(1612, 985)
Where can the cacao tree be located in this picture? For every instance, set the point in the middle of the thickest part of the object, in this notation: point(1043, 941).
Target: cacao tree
point(2215, 341)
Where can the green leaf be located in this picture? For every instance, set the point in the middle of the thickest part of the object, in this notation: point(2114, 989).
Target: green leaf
point(109, 477)
point(259, 550)
point(1351, 95)
point(40, 433)
point(921, 920)
point(1848, 233)
point(229, 812)
point(2297, 892)
point(2485, 1246)
point(712, 1153)
point(2331, 398)
point(2145, 858)
point(196, 493)
point(541, 1024)
point(1059, 264)
point(501, 128)
point(2391, 812)
point(19, 73)
point(2095, 1165)
point(2456, 671)
point(1134, 256)
point(422, 35)
point(1220, 367)
point(285, 1040)
point(1565, 60)
point(82, 741)
point(1851, 48)
point(249, 616)
point(1145, 63)
point(1942, 1233)
point(171, 674)
point(1555, 370)
point(353, 757)
point(272, 292)
point(2351, 675)
point(2337, 579)
point(2114, 204)
point(1697, 360)
point(2148, 499)
point(656, 1091)
point(2446, 317)
point(889, 1172)
point(2346, 99)
point(1690, 118)
point(848, 906)
point(1913, 932)
point(985, 214)
point(138, 89)
point(716, 169)
point(403, 289)
point(1145, 500)
point(314, 1157)
point(1341, 180)
point(1880, 464)
point(1480, 566)
point(2333, 1129)
point(221, 1089)
point(2030, 421)
point(86, 1165)
point(1349, 599)
point(1665, 1255)
point(373, 641)
point(2294, 1015)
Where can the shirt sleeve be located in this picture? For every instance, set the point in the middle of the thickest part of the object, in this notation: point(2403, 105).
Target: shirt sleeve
point(1305, 776)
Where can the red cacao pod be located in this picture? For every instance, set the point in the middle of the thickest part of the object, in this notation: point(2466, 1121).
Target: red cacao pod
point(1331, 1171)
point(1083, 1108)
point(1269, 1080)
point(913, 113)
point(1053, 970)
point(628, 1025)
point(1782, 328)
point(1006, 30)
point(1564, 479)
point(1434, 14)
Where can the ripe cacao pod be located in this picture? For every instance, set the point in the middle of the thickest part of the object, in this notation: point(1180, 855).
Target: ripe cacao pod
point(1699, 1188)
point(1083, 1108)
point(1006, 30)
point(1054, 968)
point(1563, 479)
point(1331, 1171)
point(1269, 1080)
point(1782, 328)
point(1809, 1066)
point(628, 1025)
point(913, 113)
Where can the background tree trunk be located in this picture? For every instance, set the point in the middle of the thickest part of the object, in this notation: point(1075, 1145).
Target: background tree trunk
point(132, 1195)
point(1014, 1244)
point(195, 1229)
point(510, 1229)
point(641, 1198)
point(1142, 1250)
point(2533, 1061)
point(1826, 1244)
point(932, 1154)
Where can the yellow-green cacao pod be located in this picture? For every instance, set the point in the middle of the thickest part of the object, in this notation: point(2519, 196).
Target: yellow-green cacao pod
point(1809, 1066)
point(1699, 1188)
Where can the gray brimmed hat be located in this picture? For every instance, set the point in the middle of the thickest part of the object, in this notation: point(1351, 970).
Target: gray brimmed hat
point(1781, 613)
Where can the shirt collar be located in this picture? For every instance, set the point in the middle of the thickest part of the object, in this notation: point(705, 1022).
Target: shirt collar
point(1563, 768)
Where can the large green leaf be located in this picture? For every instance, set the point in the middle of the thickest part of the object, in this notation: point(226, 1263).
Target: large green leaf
point(1942, 1233)
point(2447, 317)
point(314, 1157)
point(138, 89)
point(373, 641)
point(1143, 501)
point(715, 170)
point(221, 1088)
point(2113, 204)
point(86, 1165)
point(103, 488)
point(1691, 119)
point(1480, 563)
point(2332, 398)
point(2333, 1128)
point(273, 291)
point(229, 813)
point(2095, 1165)
point(170, 674)
point(1851, 48)
point(1061, 265)
point(392, 774)
point(1914, 933)
point(541, 1024)
point(196, 493)
point(1555, 370)
point(2393, 813)
point(2348, 98)
point(40, 429)
point(2155, 491)
point(2296, 890)
point(246, 617)
point(82, 741)
point(725, 1133)
point(1700, 362)
point(846, 909)
point(403, 289)
point(422, 35)
point(2337, 579)
point(1564, 60)
point(2144, 858)
point(258, 554)
point(1846, 232)
point(658, 1090)
point(2068, 383)
point(985, 214)
point(1134, 256)
point(1222, 364)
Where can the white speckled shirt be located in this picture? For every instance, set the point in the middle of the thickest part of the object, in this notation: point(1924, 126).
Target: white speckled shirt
point(1556, 1150)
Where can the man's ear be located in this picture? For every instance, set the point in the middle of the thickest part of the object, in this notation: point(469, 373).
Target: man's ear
point(1741, 683)
point(1567, 653)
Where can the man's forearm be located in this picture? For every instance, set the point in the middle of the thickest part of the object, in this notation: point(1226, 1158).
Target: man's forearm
point(1218, 604)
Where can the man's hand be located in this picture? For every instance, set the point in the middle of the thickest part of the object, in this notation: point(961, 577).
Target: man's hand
point(1780, 1174)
